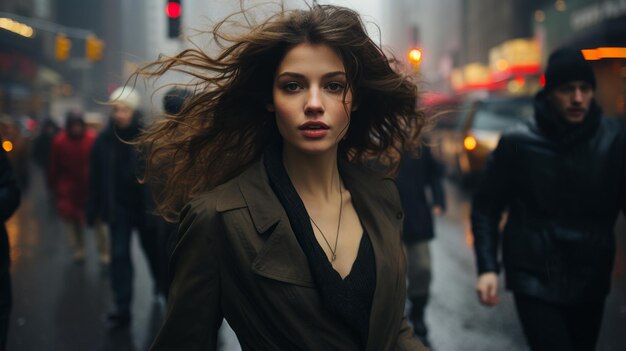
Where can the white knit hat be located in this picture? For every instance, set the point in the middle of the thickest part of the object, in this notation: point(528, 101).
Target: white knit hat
point(125, 95)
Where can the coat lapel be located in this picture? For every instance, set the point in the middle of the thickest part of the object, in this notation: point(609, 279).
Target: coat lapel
point(380, 230)
point(281, 257)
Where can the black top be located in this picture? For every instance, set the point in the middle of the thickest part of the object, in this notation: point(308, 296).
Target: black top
point(357, 288)
point(351, 298)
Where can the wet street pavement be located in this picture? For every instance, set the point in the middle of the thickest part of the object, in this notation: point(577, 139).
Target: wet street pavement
point(60, 305)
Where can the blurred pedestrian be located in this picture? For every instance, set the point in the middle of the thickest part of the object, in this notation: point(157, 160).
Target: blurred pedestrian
point(117, 198)
point(173, 101)
point(9, 201)
point(43, 142)
point(417, 174)
point(68, 178)
point(287, 235)
point(563, 181)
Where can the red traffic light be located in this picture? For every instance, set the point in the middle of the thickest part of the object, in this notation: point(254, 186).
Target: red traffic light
point(173, 9)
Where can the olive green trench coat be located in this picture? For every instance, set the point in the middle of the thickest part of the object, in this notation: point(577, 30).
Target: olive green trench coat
point(238, 258)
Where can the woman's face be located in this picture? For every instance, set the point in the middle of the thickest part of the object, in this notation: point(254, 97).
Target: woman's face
point(308, 93)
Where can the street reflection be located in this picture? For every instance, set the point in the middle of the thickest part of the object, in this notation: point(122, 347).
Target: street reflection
point(59, 304)
point(13, 230)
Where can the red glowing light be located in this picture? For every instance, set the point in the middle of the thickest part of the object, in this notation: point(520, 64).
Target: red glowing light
point(173, 10)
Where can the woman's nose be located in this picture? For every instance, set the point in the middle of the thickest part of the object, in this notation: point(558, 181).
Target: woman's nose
point(314, 101)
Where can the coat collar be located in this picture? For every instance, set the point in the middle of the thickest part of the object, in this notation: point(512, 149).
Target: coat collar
point(282, 258)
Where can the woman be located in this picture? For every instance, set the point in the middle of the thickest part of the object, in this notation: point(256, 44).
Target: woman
point(286, 235)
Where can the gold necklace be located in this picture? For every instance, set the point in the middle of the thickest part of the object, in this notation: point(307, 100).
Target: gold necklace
point(333, 251)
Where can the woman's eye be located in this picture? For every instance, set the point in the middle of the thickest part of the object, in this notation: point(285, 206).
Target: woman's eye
point(291, 87)
point(335, 87)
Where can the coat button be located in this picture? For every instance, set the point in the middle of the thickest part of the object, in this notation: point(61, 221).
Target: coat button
point(399, 215)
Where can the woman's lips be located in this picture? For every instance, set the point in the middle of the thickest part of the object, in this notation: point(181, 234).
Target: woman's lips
point(314, 129)
point(314, 133)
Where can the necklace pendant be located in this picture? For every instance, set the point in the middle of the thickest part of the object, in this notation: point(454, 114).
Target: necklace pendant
point(334, 257)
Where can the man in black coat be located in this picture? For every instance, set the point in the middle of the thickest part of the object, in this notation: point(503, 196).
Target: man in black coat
point(9, 201)
point(416, 174)
point(563, 181)
point(117, 198)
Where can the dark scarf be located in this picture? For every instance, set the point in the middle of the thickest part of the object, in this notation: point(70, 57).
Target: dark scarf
point(559, 130)
point(129, 133)
point(328, 281)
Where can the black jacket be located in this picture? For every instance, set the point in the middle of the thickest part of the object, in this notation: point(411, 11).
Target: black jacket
point(114, 171)
point(9, 201)
point(415, 175)
point(563, 186)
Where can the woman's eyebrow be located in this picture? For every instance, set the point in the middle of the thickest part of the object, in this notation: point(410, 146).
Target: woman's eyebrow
point(334, 74)
point(302, 76)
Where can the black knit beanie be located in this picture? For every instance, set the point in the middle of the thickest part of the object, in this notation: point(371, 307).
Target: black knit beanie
point(174, 99)
point(74, 117)
point(566, 65)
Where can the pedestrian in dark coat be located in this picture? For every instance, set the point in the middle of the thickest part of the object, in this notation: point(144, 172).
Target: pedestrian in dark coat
point(68, 177)
point(42, 143)
point(417, 174)
point(9, 201)
point(117, 198)
point(563, 181)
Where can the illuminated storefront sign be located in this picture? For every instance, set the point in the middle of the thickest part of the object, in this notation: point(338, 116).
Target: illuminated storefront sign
point(509, 64)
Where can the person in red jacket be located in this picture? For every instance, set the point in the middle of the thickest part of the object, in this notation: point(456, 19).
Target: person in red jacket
point(69, 179)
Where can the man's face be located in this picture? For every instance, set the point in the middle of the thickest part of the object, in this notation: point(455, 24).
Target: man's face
point(571, 100)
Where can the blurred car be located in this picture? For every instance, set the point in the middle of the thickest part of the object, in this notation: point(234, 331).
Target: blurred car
point(464, 146)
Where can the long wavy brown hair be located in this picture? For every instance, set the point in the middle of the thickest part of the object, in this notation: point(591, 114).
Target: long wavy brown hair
point(225, 126)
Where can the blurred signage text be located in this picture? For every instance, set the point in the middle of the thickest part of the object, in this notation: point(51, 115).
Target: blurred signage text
point(596, 13)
